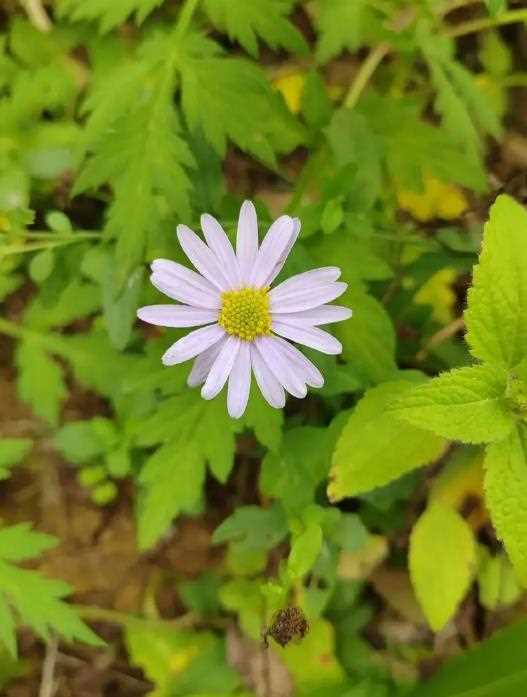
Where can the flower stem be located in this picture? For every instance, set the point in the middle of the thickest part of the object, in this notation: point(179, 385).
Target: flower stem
point(483, 23)
point(37, 14)
point(365, 72)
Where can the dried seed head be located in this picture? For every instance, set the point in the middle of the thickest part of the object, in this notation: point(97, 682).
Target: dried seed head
point(287, 624)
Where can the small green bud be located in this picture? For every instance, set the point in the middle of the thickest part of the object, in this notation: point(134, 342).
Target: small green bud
point(104, 493)
point(92, 475)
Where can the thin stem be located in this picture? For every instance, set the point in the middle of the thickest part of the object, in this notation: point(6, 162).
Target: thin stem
point(185, 17)
point(452, 5)
point(365, 72)
point(52, 342)
point(37, 14)
point(47, 683)
point(100, 614)
point(483, 23)
point(9, 250)
point(440, 336)
point(44, 234)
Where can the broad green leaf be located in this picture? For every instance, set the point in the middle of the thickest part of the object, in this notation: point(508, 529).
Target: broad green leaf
point(467, 404)
point(442, 562)
point(304, 551)
point(493, 668)
point(496, 318)
point(40, 381)
point(181, 662)
point(12, 451)
point(497, 583)
point(251, 527)
point(247, 21)
point(375, 447)
point(506, 494)
point(368, 338)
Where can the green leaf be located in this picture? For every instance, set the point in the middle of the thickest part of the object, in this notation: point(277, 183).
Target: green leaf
point(12, 451)
point(120, 310)
point(344, 25)
point(495, 6)
point(134, 137)
point(506, 493)
point(82, 441)
point(467, 404)
point(496, 318)
point(295, 471)
point(181, 662)
point(368, 338)
point(172, 480)
point(251, 527)
point(108, 14)
point(38, 601)
point(304, 551)
point(493, 668)
point(246, 21)
point(375, 448)
point(265, 421)
point(40, 381)
point(442, 562)
point(263, 125)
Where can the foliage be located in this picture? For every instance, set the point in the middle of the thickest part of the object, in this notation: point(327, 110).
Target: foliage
point(378, 504)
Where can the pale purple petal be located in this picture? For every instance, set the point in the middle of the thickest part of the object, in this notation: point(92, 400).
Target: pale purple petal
point(187, 294)
point(221, 368)
point(202, 257)
point(311, 374)
point(203, 364)
point(270, 387)
point(281, 365)
point(247, 239)
point(307, 298)
point(308, 279)
point(309, 336)
point(192, 344)
point(177, 273)
point(176, 315)
point(239, 382)
point(325, 314)
point(274, 250)
point(222, 248)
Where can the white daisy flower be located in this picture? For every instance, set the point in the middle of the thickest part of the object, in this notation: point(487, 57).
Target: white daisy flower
point(244, 323)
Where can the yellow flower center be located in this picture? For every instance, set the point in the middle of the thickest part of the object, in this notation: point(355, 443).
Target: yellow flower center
point(245, 313)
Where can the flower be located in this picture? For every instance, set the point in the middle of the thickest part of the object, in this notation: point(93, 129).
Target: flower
point(244, 324)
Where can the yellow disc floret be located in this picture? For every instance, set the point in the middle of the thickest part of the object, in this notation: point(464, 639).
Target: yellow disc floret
point(245, 313)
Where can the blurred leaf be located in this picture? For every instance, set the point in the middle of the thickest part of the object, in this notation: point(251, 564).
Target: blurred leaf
point(344, 25)
point(40, 381)
point(109, 15)
point(497, 583)
point(246, 21)
point(304, 551)
point(442, 562)
point(506, 491)
point(12, 451)
point(496, 318)
point(375, 447)
point(493, 668)
point(253, 528)
point(120, 311)
point(36, 600)
point(82, 441)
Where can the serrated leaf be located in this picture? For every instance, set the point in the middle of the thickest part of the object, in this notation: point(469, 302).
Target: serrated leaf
point(38, 601)
point(120, 308)
point(344, 25)
point(263, 125)
point(194, 432)
point(496, 318)
point(467, 404)
point(506, 493)
point(442, 562)
point(375, 448)
point(247, 21)
point(40, 381)
point(108, 14)
point(368, 338)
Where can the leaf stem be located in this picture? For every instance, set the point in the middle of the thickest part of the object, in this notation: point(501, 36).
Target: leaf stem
point(368, 67)
point(37, 14)
point(443, 334)
point(92, 613)
point(483, 23)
